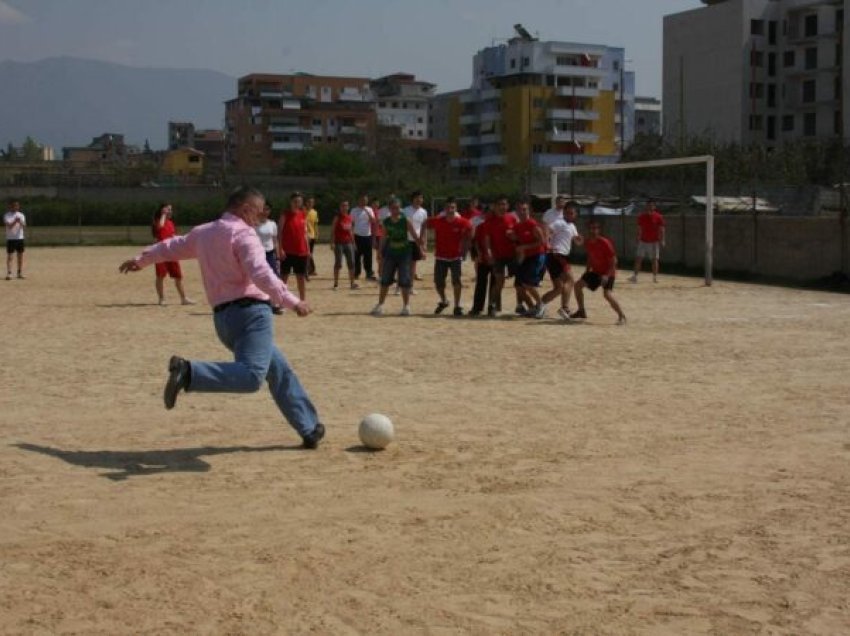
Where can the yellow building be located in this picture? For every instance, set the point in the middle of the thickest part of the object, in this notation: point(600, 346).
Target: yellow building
point(183, 162)
point(541, 104)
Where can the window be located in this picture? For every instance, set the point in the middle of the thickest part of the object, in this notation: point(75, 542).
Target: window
point(756, 90)
point(404, 104)
point(317, 122)
point(771, 64)
point(513, 63)
point(809, 124)
point(756, 58)
point(810, 27)
point(811, 60)
point(771, 128)
point(771, 95)
point(836, 87)
point(808, 91)
point(418, 120)
point(418, 133)
point(194, 159)
point(395, 104)
point(757, 27)
point(839, 20)
point(787, 123)
point(382, 104)
point(616, 65)
point(836, 122)
point(771, 32)
point(526, 61)
point(756, 122)
point(788, 59)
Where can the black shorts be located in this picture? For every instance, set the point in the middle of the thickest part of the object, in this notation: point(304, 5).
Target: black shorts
point(14, 245)
point(294, 264)
point(557, 265)
point(594, 280)
point(416, 251)
point(505, 266)
point(441, 272)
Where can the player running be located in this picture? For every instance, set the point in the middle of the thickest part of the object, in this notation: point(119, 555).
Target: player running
point(601, 272)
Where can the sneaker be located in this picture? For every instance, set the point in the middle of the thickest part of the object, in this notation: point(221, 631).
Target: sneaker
point(179, 374)
point(162, 302)
point(474, 313)
point(412, 291)
point(371, 277)
point(187, 301)
point(539, 311)
point(405, 311)
point(654, 279)
point(336, 287)
point(633, 278)
point(21, 276)
point(458, 311)
point(621, 321)
point(520, 310)
point(417, 277)
point(311, 440)
point(9, 276)
point(355, 286)
point(440, 307)
point(491, 312)
point(396, 291)
point(564, 314)
point(578, 315)
point(378, 310)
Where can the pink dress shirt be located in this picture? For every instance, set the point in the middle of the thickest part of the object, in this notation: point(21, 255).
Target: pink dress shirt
point(232, 260)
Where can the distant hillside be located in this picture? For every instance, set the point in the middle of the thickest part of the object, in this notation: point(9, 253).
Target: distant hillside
point(68, 101)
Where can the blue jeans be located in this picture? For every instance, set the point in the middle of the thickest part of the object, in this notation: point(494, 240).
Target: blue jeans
point(396, 264)
point(248, 333)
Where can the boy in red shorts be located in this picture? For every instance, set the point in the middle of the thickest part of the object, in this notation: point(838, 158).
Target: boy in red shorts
point(601, 271)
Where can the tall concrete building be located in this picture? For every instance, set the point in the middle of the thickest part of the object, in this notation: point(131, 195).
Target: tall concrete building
point(402, 101)
point(757, 71)
point(276, 114)
point(536, 104)
point(647, 116)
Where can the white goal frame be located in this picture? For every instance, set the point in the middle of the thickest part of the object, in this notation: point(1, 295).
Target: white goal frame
point(708, 160)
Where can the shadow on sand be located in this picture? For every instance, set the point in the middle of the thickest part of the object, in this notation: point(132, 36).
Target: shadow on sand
point(123, 464)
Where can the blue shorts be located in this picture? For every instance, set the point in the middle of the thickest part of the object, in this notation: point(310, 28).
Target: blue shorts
point(530, 272)
point(395, 263)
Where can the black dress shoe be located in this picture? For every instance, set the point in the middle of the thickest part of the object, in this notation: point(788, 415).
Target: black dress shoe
point(179, 374)
point(311, 440)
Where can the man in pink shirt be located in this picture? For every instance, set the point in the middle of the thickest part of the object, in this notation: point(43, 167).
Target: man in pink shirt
point(241, 288)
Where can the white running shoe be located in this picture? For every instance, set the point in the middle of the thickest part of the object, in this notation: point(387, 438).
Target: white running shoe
point(377, 310)
point(540, 311)
point(621, 321)
point(564, 314)
point(187, 301)
point(633, 278)
point(405, 311)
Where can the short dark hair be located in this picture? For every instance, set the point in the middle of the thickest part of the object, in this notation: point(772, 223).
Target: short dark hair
point(451, 200)
point(295, 195)
point(571, 204)
point(415, 193)
point(242, 194)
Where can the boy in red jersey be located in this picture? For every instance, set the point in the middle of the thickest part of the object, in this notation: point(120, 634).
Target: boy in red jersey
point(650, 240)
point(601, 271)
point(499, 250)
point(530, 240)
point(294, 244)
point(452, 233)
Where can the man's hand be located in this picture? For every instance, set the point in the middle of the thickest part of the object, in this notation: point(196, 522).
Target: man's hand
point(129, 266)
point(303, 308)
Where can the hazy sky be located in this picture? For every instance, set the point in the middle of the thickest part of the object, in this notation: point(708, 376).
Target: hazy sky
point(434, 39)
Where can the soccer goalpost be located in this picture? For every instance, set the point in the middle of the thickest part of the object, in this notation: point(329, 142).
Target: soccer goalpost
point(708, 160)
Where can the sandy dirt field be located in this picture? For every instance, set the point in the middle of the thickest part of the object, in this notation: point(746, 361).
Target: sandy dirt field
point(686, 474)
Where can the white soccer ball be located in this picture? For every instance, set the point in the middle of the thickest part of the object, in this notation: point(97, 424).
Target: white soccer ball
point(376, 431)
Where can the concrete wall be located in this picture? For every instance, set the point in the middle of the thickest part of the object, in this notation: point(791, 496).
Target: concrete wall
point(794, 248)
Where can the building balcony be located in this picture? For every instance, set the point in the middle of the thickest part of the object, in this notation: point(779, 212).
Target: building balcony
point(572, 114)
point(576, 91)
point(287, 145)
point(289, 129)
point(471, 118)
point(268, 94)
point(480, 140)
point(470, 162)
point(570, 70)
point(291, 104)
point(352, 130)
point(490, 116)
point(572, 135)
point(480, 96)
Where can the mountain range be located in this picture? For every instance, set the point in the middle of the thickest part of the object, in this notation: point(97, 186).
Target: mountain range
point(66, 101)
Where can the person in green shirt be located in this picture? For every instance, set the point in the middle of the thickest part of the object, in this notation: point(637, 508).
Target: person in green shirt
point(397, 257)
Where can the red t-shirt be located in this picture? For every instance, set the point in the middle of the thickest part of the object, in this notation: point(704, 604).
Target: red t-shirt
point(524, 233)
point(471, 213)
point(166, 231)
point(650, 224)
point(600, 255)
point(343, 230)
point(293, 233)
point(497, 230)
point(449, 235)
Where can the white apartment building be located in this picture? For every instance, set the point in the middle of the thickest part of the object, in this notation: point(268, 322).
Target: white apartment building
point(402, 101)
point(757, 71)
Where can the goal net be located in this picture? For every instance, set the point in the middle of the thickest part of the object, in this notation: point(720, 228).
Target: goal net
point(621, 189)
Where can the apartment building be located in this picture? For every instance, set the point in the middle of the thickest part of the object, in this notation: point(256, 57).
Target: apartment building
point(536, 104)
point(647, 116)
point(757, 71)
point(276, 114)
point(402, 101)
point(105, 149)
